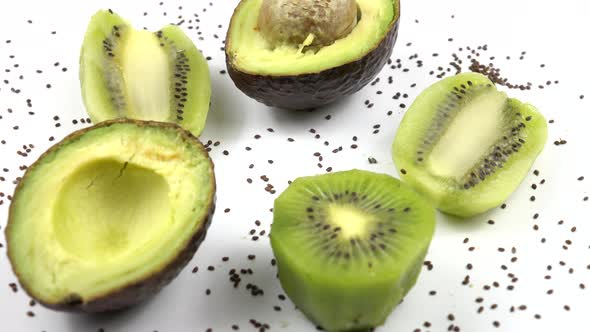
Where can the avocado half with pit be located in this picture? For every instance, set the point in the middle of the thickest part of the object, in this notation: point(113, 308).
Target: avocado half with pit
point(292, 73)
point(144, 75)
point(110, 215)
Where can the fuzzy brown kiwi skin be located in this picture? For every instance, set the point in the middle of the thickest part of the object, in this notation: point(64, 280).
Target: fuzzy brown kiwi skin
point(310, 91)
point(139, 290)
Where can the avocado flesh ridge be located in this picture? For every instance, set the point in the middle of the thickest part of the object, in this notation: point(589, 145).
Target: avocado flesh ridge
point(250, 52)
point(54, 263)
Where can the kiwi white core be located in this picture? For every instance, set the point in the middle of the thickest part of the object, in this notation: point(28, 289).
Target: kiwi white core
point(146, 77)
point(353, 223)
point(469, 136)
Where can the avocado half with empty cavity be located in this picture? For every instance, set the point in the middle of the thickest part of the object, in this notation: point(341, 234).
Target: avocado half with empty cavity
point(279, 67)
point(110, 215)
point(138, 74)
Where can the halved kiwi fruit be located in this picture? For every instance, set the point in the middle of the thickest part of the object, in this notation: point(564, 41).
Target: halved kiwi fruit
point(349, 246)
point(110, 215)
point(466, 145)
point(138, 74)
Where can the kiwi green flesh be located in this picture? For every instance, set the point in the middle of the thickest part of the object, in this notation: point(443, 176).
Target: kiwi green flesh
point(349, 245)
point(110, 210)
point(143, 75)
point(466, 145)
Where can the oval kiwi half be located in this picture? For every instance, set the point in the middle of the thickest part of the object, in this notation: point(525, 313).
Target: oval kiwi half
point(138, 74)
point(466, 145)
point(349, 246)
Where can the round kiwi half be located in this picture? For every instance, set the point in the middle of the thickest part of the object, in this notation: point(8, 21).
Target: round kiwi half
point(349, 246)
point(466, 145)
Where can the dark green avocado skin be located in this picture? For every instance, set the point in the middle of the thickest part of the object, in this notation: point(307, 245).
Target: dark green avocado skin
point(309, 91)
point(134, 293)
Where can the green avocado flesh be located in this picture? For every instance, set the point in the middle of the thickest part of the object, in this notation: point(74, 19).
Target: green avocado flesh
point(349, 246)
point(108, 207)
point(143, 75)
point(466, 145)
point(250, 52)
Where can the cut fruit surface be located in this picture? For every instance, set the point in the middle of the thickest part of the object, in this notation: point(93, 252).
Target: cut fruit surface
point(130, 206)
point(119, 209)
point(349, 246)
point(143, 75)
point(250, 51)
point(476, 126)
point(284, 73)
point(466, 145)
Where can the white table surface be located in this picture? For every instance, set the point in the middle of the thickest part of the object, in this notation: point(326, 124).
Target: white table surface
point(551, 33)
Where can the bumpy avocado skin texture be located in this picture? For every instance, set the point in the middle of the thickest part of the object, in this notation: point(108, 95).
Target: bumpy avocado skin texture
point(310, 91)
point(138, 291)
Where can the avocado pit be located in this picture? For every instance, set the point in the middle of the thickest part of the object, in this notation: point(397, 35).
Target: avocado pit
point(307, 22)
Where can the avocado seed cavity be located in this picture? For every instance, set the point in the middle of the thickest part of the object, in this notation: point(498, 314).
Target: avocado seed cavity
point(306, 22)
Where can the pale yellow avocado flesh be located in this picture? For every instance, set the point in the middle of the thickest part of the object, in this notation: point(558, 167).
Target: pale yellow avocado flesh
point(250, 52)
point(106, 210)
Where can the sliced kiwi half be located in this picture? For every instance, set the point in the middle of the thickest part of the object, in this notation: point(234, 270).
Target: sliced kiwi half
point(466, 145)
point(138, 74)
point(349, 246)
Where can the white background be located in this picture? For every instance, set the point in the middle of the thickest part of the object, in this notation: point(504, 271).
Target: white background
point(551, 33)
